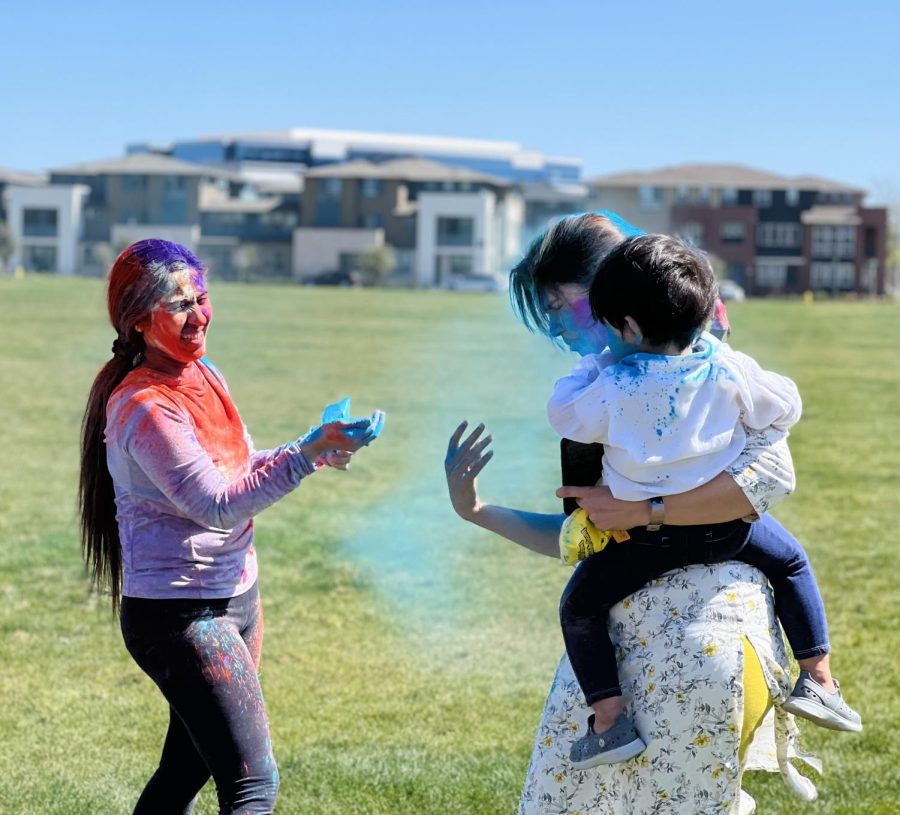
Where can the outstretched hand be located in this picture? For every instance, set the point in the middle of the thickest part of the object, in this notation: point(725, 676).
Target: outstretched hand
point(464, 461)
point(336, 459)
point(606, 511)
point(334, 442)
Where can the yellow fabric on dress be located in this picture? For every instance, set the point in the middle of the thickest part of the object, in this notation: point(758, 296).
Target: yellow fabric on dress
point(757, 699)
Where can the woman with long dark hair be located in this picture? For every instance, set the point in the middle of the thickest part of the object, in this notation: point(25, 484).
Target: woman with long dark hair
point(169, 487)
point(701, 654)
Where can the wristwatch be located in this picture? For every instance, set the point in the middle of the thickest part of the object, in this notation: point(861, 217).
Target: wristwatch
point(657, 514)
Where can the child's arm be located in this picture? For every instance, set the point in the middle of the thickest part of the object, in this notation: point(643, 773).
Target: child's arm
point(769, 399)
point(578, 409)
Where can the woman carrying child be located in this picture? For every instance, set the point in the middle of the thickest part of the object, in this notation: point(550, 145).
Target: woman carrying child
point(671, 405)
point(701, 653)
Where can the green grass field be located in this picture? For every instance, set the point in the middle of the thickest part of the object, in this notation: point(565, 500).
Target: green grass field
point(407, 654)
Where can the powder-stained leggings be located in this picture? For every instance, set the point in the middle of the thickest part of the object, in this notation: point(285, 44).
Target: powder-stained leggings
point(204, 656)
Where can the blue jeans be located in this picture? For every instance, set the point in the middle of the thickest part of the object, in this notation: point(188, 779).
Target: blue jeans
point(604, 579)
point(204, 656)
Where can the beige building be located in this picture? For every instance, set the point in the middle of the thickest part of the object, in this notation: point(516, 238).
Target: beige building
point(134, 197)
point(446, 224)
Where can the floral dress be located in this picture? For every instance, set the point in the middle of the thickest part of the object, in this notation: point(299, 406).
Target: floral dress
point(681, 645)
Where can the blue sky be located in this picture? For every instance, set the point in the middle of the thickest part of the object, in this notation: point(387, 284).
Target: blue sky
point(793, 87)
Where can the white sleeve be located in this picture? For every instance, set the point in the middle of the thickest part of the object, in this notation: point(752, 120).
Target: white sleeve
point(577, 409)
point(770, 400)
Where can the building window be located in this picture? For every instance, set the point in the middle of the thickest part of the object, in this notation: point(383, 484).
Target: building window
point(762, 198)
point(776, 234)
point(134, 183)
point(328, 202)
point(455, 231)
point(691, 233)
point(371, 187)
point(682, 194)
point(771, 275)
point(792, 197)
point(39, 223)
point(39, 258)
point(729, 196)
point(836, 198)
point(832, 276)
point(279, 220)
point(650, 197)
point(871, 242)
point(732, 232)
point(329, 189)
point(834, 241)
point(174, 183)
point(373, 220)
point(736, 272)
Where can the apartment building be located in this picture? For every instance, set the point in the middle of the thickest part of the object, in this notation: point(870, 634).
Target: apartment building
point(446, 224)
point(86, 213)
point(134, 197)
point(770, 233)
point(551, 186)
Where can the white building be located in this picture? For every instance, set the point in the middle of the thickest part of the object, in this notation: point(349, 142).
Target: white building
point(46, 225)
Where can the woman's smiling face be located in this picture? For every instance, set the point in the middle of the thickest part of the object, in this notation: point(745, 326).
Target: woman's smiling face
point(178, 324)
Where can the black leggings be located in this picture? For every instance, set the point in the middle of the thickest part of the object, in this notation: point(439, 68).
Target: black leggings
point(204, 656)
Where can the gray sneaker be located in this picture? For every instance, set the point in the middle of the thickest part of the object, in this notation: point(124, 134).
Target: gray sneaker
point(619, 743)
point(810, 700)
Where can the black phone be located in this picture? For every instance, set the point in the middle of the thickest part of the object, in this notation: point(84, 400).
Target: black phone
point(582, 466)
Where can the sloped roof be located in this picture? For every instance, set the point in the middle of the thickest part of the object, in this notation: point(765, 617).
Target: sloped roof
point(141, 164)
point(21, 178)
point(739, 176)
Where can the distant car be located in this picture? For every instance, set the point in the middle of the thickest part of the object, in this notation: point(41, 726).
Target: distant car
point(729, 290)
point(336, 278)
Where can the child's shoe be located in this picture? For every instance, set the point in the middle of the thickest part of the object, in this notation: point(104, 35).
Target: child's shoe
point(810, 700)
point(619, 743)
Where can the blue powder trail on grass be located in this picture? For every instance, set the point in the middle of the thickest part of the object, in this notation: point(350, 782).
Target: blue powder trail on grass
point(420, 557)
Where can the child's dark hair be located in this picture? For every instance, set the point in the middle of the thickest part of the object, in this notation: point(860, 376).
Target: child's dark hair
point(668, 289)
